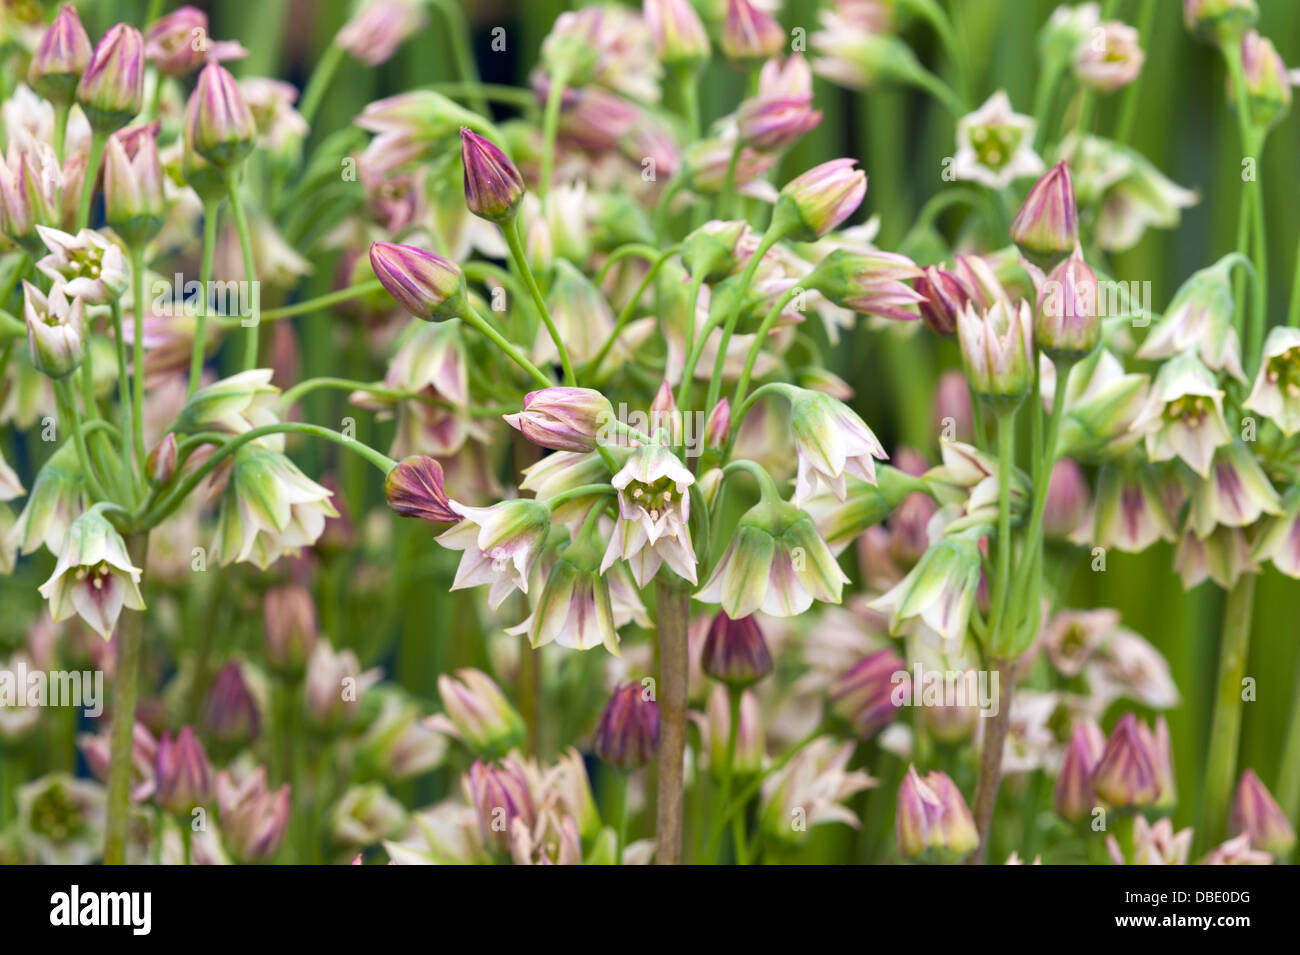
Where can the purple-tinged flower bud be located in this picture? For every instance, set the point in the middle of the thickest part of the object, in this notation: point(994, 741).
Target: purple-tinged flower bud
point(254, 819)
point(61, 58)
point(231, 713)
point(943, 296)
point(627, 735)
point(218, 123)
point(183, 773)
point(426, 285)
point(1256, 814)
point(415, 489)
point(665, 415)
point(1068, 318)
point(493, 186)
point(1074, 797)
point(563, 418)
point(932, 819)
point(717, 427)
point(133, 187)
point(379, 27)
point(735, 652)
point(1067, 500)
point(111, 89)
point(869, 283)
point(477, 713)
point(160, 466)
point(1127, 773)
point(749, 34)
point(56, 330)
point(1268, 84)
point(1046, 229)
point(335, 685)
point(500, 793)
point(863, 696)
point(679, 36)
point(773, 122)
point(710, 252)
point(289, 624)
point(997, 349)
point(178, 43)
point(816, 202)
point(98, 751)
point(1219, 21)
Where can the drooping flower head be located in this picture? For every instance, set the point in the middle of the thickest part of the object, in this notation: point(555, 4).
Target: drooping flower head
point(94, 577)
point(654, 504)
point(500, 544)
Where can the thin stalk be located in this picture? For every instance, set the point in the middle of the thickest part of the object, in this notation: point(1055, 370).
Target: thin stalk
point(620, 814)
point(130, 637)
point(471, 315)
point(319, 82)
point(550, 127)
point(1288, 774)
point(672, 608)
point(728, 772)
point(67, 402)
point(625, 316)
point(250, 270)
point(461, 52)
point(769, 239)
point(98, 141)
point(1128, 106)
point(990, 770)
point(211, 209)
point(516, 245)
point(692, 302)
point(742, 383)
point(137, 357)
point(1006, 462)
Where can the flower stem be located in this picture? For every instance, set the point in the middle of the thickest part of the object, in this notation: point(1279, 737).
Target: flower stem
point(516, 245)
point(67, 402)
point(461, 52)
point(137, 357)
point(1221, 763)
point(250, 271)
point(770, 238)
point(728, 773)
point(210, 212)
point(990, 771)
point(98, 141)
point(130, 636)
point(550, 127)
point(319, 82)
point(672, 609)
point(472, 316)
point(742, 384)
point(1006, 462)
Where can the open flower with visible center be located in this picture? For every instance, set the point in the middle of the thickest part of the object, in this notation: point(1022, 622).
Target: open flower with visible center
point(831, 441)
point(1183, 416)
point(94, 577)
point(995, 144)
point(56, 330)
point(654, 510)
point(1276, 394)
point(91, 267)
point(500, 544)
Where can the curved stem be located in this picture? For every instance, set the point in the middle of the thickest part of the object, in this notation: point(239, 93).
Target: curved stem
point(629, 309)
point(319, 82)
point(293, 395)
point(67, 402)
point(692, 303)
point(769, 239)
point(1006, 462)
point(471, 315)
point(516, 245)
point(728, 773)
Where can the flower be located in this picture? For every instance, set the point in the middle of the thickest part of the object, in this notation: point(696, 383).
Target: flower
point(1068, 320)
point(63, 54)
point(1046, 229)
point(500, 793)
point(378, 28)
point(178, 43)
point(735, 652)
point(1219, 21)
point(576, 608)
point(98, 751)
point(1235, 492)
point(1237, 851)
point(254, 818)
point(111, 89)
point(1199, 318)
point(62, 818)
point(933, 819)
point(231, 712)
point(995, 145)
point(133, 188)
point(1278, 539)
point(1109, 57)
point(268, 509)
point(679, 36)
point(562, 418)
point(748, 33)
point(809, 789)
point(1127, 772)
point(1153, 843)
point(1073, 797)
point(289, 626)
point(715, 731)
point(183, 773)
point(493, 186)
point(776, 562)
point(942, 297)
point(773, 122)
point(89, 266)
point(56, 330)
point(711, 252)
point(831, 441)
point(94, 576)
point(57, 496)
point(1067, 504)
point(364, 815)
point(1183, 416)
point(32, 190)
point(940, 589)
point(234, 405)
point(869, 283)
point(415, 489)
point(500, 544)
point(477, 713)
point(1268, 85)
point(1130, 514)
point(334, 686)
point(816, 202)
point(1276, 393)
point(1256, 814)
point(218, 123)
point(997, 349)
point(863, 696)
point(627, 734)
point(654, 510)
point(426, 285)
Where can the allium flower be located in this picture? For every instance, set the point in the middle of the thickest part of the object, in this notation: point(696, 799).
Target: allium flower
point(1199, 317)
point(940, 589)
point(183, 773)
point(1276, 394)
point(1046, 229)
point(231, 712)
point(254, 818)
point(379, 27)
point(1067, 505)
point(831, 441)
point(1127, 665)
point(810, 789)
point(627, 735)
point(1237, 851)
point(863, 696)
point(56, 330)
point(1268, 85)
point(32, 189)
point(218, 123)
point(61, 58)
point(1068, 318)
point(415, 489)
point(1278, 540)
point(735, 652)
point(749, 33)
point(178, 43)
point(817, 201)
point(576, 608)
point(1071, 637)
point(933, 818)
point(1217, 21)
point(869, 283)
point(365, 815)
point(57, 496)
point(654, 510)
point(271, 102)
point(679, 36)
point(94, 576)
point(111, 89)
point(501, 793)
point(493, 186)
point(1223, 556)
point(97, 751)
point(500, 544)
point(1183, 416)
point(1130, 513)
point(289, 625)
point(426, 285)
point(62, 818)
point(776, 562)
point(1128, 772)
point(1153, 843)
point(995, 145)
point(1074, 798)
point(581, 314)
point(942, 297)
point(997, 349)
point(268, 509)
point(772, 123)
point(477, 712)
point(563, 419)
point(133, 186)
point(240, 403)
point(1235, 492)
point(334, 686)
point(91, 267)
point(1256, 814)
point(1109, 57)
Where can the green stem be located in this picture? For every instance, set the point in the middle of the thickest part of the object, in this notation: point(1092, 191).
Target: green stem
point(211, 209)
point(620, 815)
point(516, 245)
point(137, 357)
point(770, 238)
point(1128, 106)
point(728, 772)
point(250, 271)
point(550, 127)
point(130, 637)
point(319, 82)
point(471, 315)
point(461, 52)
point(1006, 421)
point(692, 302)
point(625, 316)
point(990, 768)
point(67, 401)
point(1288, 774)
point(98, 141)
point(742, 383)
point(672, 614)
